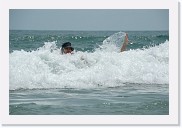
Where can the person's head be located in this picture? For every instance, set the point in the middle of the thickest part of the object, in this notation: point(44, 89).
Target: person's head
point(66, 48)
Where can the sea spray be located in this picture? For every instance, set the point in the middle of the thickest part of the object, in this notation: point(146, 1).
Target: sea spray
point(47, 68)
point(96, 80)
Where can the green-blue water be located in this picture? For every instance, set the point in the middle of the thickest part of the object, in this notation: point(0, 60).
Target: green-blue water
point(95, 80)
point(82, 40)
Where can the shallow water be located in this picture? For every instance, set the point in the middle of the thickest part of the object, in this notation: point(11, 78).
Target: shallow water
point(128, 99)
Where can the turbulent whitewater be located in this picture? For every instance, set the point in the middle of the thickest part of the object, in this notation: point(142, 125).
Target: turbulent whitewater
point(96, 80)
point(105, 66)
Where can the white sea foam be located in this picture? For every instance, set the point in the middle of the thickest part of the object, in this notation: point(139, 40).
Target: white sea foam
point(47, 68)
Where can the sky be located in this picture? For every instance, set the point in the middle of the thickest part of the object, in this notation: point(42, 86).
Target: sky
point(89, 19)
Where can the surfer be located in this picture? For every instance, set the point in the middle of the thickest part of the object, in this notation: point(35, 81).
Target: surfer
point(67, 48)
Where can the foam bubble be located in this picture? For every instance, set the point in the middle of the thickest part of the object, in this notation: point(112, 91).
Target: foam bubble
point(47, 68)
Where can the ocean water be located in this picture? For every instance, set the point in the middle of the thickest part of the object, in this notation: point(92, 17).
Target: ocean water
point(96, 80)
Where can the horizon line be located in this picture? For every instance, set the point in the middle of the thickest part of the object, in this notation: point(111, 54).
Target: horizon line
point(77, 30)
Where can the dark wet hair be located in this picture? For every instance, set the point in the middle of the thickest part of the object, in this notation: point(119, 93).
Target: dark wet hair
point(66, 45)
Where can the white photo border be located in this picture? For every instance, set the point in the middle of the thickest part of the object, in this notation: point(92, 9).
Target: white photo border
point(171, 119)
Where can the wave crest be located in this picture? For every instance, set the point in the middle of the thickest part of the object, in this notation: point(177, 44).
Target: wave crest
point(47, 68)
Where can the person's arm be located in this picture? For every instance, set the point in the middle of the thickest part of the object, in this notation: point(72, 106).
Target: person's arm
point(123, 48)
